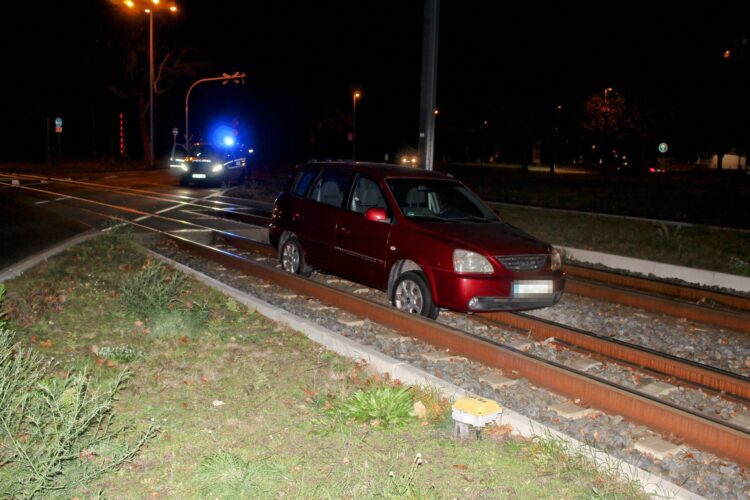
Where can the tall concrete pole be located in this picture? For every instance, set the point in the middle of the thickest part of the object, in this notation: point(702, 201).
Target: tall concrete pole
point(429, 83)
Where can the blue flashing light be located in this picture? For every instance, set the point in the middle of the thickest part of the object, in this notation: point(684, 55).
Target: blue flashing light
point(228, 140)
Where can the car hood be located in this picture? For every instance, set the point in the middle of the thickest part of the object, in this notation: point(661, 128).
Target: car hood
point(494, 238)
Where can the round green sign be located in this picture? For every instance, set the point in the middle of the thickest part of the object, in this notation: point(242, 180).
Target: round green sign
point(663, 147)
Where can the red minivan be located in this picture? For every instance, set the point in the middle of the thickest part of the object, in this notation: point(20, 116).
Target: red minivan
point(422, 236)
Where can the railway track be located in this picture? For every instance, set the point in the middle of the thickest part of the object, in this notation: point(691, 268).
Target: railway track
point(704, 432)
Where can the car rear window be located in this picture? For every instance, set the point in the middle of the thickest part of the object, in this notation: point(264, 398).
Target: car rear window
point(303, 182)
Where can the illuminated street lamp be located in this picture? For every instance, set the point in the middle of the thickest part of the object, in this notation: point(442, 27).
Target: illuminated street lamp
point(355, 96)
point(150, 11)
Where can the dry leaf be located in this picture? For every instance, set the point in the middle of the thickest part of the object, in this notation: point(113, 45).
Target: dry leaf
point(419, 410)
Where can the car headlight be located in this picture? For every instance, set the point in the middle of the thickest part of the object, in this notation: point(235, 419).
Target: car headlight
point(555, 259)
point(217, 167)
point(465, 261)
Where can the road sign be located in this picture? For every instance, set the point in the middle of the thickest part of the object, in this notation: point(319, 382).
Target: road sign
point(663, 147)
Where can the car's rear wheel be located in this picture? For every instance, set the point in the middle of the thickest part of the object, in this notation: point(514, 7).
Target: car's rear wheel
point(412, 294)
point(292, 259)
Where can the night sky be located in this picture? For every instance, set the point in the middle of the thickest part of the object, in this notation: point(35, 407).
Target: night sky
point(506, 64)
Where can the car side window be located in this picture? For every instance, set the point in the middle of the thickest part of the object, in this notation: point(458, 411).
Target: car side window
point(303, 182)
point(331, 187)
point(365, 195)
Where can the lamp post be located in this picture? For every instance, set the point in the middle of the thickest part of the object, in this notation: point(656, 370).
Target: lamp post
point(355, 96)
point(150, 11)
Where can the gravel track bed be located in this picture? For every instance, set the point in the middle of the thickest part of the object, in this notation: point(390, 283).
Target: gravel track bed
point(706, 344)
point(703, 473)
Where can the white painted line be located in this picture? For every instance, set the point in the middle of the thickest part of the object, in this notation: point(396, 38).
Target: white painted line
point(414, 376)
point(62, 198)
point(179, 205)
point(41, 202)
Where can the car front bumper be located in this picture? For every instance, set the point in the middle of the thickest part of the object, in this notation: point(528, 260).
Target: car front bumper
point(493, 293)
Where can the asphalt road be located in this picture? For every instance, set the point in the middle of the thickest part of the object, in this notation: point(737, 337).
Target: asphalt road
point(39, 214)
point(27, 227)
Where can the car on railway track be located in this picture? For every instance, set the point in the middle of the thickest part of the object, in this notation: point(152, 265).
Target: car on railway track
point(212, 163)
point(422, 236)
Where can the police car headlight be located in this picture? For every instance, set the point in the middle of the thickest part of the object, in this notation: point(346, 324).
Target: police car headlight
point(217, 167)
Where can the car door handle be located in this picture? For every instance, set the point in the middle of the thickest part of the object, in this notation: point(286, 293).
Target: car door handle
point(345, 229)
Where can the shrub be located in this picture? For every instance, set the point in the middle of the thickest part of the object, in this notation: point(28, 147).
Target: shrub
point(55, 434)
point(152, 289)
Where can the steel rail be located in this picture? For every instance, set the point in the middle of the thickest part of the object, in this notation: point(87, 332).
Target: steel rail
point(686, 292)
point(738, 321)
point(690, 371)
point(683, 369)
point(698, 430)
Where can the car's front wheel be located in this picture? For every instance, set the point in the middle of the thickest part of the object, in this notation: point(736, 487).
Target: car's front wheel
point(292, 259)
point(412, 294)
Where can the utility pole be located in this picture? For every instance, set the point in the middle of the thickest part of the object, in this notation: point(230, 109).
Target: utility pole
point(429, 83)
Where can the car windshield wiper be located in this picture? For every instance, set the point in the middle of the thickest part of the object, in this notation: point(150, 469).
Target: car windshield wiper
point(475, 218)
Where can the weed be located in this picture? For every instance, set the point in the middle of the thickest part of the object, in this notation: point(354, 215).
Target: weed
point(153, 289)
point(122, 353)
point(437, 406)
point(554, 455)
point(739, 266)
point(384, 405)
point(668, 234)
point(224, 475)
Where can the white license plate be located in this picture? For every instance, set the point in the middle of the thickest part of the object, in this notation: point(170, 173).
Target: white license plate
point(199, 176)
point(532, 287)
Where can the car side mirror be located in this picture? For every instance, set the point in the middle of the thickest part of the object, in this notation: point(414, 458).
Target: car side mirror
point(377, 215)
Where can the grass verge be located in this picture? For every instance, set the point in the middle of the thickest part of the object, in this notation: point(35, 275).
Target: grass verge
point(725, 251)
point(249, 409)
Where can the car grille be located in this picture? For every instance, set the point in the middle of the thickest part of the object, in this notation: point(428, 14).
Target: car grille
point(522, 262)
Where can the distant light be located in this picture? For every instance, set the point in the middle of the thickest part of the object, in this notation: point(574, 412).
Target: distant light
point(727, 54)
point(156, 2)
point(129, 4)
point(485, 122)
point(173, 8)
point(436, 112)
point(357, 95)
point(229, 140)
point(147, 11)
point(251, 151)
point(652, 169)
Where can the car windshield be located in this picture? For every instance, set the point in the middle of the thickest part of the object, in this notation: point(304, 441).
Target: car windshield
point(439, 200)
point(200, 150)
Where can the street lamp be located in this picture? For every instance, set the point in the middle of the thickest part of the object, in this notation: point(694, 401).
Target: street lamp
point(355, 96)
point(150, 11)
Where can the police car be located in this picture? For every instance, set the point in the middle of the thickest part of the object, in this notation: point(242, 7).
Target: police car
point(212, 164)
